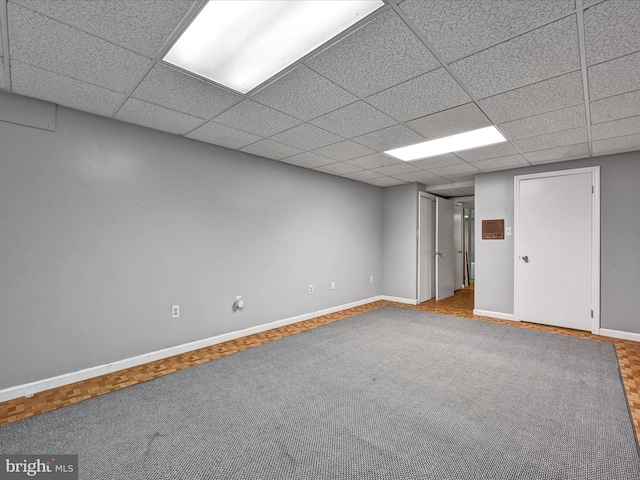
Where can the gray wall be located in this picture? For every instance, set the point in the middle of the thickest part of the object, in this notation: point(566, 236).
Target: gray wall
point(619, 233)
point(400, 263)
point(105, 225)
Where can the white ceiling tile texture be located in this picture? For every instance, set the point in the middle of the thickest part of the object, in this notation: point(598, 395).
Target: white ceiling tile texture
point(558, 120)
point(354, 120)
point(558, 154)
point(543, 53)
point(420, 96)
point(45, 43)
point(65, 91)
point(611, 29)
point(139, 25)
point(344, 151)
point(377, 56)
point(616, 128)
point(159, 118)
point(618, 144)
point(304, 94)
point(552, 140)
point(449, 122)
point(255, 118)
point(270, 149)
point(457, 29)
point(224, 136)
point(307, 137)
point(545, 96)
point(613, 108)
point(376, 89)
point(178, 91)
point(614, 77)
point(389, 138)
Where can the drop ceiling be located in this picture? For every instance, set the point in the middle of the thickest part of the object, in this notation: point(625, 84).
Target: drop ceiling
point(560, 79)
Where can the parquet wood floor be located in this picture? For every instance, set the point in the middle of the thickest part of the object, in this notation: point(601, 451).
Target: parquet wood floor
point(461, 305)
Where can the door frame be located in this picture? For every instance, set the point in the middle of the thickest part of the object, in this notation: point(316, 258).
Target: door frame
point(595, 238)
point(430, 197)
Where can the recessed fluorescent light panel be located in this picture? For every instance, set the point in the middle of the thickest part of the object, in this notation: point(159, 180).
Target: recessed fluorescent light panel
point(240, 44)
point(454, 143)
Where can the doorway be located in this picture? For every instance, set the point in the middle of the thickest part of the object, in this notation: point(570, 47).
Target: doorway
point(557, 248)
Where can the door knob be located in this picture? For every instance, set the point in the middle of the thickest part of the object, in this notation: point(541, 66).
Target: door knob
point(526, 259)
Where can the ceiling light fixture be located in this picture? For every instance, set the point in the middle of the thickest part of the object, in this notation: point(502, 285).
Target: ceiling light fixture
point(454, 143)
point(240, 44)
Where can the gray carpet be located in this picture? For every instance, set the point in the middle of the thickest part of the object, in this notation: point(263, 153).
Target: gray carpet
point(388, 394)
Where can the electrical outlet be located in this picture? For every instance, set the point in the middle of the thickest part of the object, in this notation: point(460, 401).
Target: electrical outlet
point(333, 285)
point(371, 279)
point(310, 288)
point(175, 311)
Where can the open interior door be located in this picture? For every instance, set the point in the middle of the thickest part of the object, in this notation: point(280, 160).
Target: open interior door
point(445, 250)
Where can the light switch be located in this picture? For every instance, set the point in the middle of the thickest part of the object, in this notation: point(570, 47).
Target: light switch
point(507, 231)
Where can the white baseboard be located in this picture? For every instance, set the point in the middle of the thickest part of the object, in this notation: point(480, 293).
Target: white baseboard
point(29, 389)
point(619, 334)
point(489, 313)
point(410, 301)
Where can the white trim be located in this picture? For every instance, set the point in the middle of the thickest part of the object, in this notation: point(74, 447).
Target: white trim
point(605, 332)
point(500, 315)
point(595, 238)
point(409, 301)
point(28, 389)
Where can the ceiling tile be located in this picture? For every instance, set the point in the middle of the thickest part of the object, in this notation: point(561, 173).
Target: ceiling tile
point(543, 53)
point(362, 175)
point(420, 177)
point(45, 43)
point(439, 161)
point(353, 120)
point(338, 168)
point(552, 140)
point(457, 29)
point(614, 77)
point(617, 128)
point(140, 25)
point(397, 169)
point(382, 53)
point(160, 118)
point(270, 149)
point(558, 120)
point(344, 151)
point(170, 88)
point(388, 138)
point(611, 29)
point(384, 181)
point(618, 144)
point(467, 190)
point(511, 161)
point(492, 151)
point(308, 160)
point(49, 86)
point(449, 122)
point(454, 170)
point(304, 94)
point(257, 119)
point(559, 92)
point(446, 192)
point(374, 161)
point(613, 108)
point(426, 94)
point(307, 137)
point(558, 154)
point(467, 177)
point(222, 135)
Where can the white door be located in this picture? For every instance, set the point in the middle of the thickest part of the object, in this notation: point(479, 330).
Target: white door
point(555, 249)
point(445, 252)
point(458, 263)
point(426, 247)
